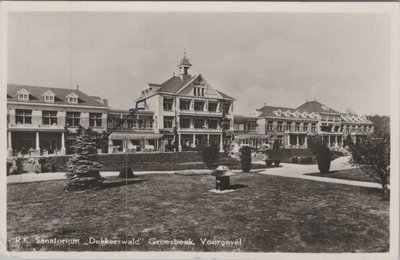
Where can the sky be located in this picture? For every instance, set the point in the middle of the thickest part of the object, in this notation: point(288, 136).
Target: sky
point(280, 59)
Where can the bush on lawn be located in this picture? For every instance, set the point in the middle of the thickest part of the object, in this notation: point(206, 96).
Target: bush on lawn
point(277, 162)
point(245, 158)
point(126, 172)
point(209, 154)
point(83, 168)
point(294, 159)
point(269, 162)
point(372, 155)
point(319, 148)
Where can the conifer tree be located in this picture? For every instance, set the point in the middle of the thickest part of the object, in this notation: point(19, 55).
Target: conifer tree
point(83, 168)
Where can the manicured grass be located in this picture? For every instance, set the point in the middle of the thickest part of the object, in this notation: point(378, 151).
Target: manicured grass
point(350, 174)
point(268, 213)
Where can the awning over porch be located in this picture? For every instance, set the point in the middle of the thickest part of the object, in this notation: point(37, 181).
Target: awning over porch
point(134, 136)
point(251, 136)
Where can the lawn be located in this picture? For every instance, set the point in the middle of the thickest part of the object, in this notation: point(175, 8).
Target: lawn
point(355, 174)
point(268, 214)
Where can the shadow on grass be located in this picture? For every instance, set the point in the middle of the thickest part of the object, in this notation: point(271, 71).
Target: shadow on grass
point(237, 186)
point(120, 182)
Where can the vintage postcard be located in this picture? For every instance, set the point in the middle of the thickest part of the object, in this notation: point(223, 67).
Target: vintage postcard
point(226, 130)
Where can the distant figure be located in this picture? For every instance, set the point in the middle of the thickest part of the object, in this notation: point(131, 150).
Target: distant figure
point(51, 149)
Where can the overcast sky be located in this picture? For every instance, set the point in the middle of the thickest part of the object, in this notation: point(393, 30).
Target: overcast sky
point(342, 60)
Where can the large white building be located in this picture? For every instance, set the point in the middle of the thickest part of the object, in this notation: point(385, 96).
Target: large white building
point(187, 108)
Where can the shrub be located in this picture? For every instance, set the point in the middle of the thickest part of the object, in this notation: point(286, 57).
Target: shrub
point(37, 168)
point(276, 145)
point(372, 155)
point(294, 159)
point(126, 172)
point(209, 154)
point(269, 162)
point(83, 168)
point(245, 158)
point(319, 148)
point(48, 164)
point(277, 162)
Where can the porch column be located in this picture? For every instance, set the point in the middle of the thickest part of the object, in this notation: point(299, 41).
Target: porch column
point(110, 146)
point(297, 141)
point(37, 148)
point(221, 145)
point(336, 143)
point(208, 139)
point(305, 142)
point(288, 140)
point(194, 141)
point(62, 151)
point(124, 145)
point(179, 143)
point(10, 149)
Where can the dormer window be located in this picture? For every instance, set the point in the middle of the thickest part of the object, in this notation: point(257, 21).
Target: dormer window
point(72, 98)
point(48, 96)
point(23, 94)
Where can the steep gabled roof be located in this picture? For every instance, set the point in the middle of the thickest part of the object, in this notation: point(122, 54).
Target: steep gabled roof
point(223, 95)
point(61, 94)
point(173, 84)
point(316, 107)
point(267, 111)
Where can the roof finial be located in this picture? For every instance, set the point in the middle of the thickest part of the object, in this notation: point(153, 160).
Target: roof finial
point(184, 52)
point(77, 87)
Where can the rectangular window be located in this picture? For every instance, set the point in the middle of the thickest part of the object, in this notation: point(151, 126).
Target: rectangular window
point(148, 124)
point(168, 121)
point(167, 104)
point(252, 126)
point(297, 127)
point(184, 123)
point(212, 106)
point(280, 127)
point(199, 105)
point(49, 117)
point(184, 104)
point(95, 119)
point(73, 118)
point(213, 124)
point(313, 127)
point(288, 126)
point(23, 116)
point(199, 123)
point(236, 126)
point(241, 127)
point(305, 127)
point(270, 125)
point(226, 107)
point(226, 125)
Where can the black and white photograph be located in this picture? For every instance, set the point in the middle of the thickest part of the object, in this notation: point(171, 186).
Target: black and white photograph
point(223, 129)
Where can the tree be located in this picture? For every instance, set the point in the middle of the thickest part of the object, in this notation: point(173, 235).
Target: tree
point(381, 124)
point(210, 154)
point(245, 158)
point(372, 155)
point(83, 168)
point(348, 141)
point(319, 148)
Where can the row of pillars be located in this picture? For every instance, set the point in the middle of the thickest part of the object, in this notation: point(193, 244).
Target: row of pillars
point(37, 143)
point(305, 141)
point(221, 146)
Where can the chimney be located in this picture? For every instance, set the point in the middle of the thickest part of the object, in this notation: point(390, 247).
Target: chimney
point(77, 87)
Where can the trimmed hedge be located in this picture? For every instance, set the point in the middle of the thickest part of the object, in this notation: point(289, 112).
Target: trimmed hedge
point(285, 155)
point(165, 161)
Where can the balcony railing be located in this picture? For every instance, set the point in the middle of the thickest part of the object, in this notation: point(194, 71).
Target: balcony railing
point(200, 113)
point(34, 126)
